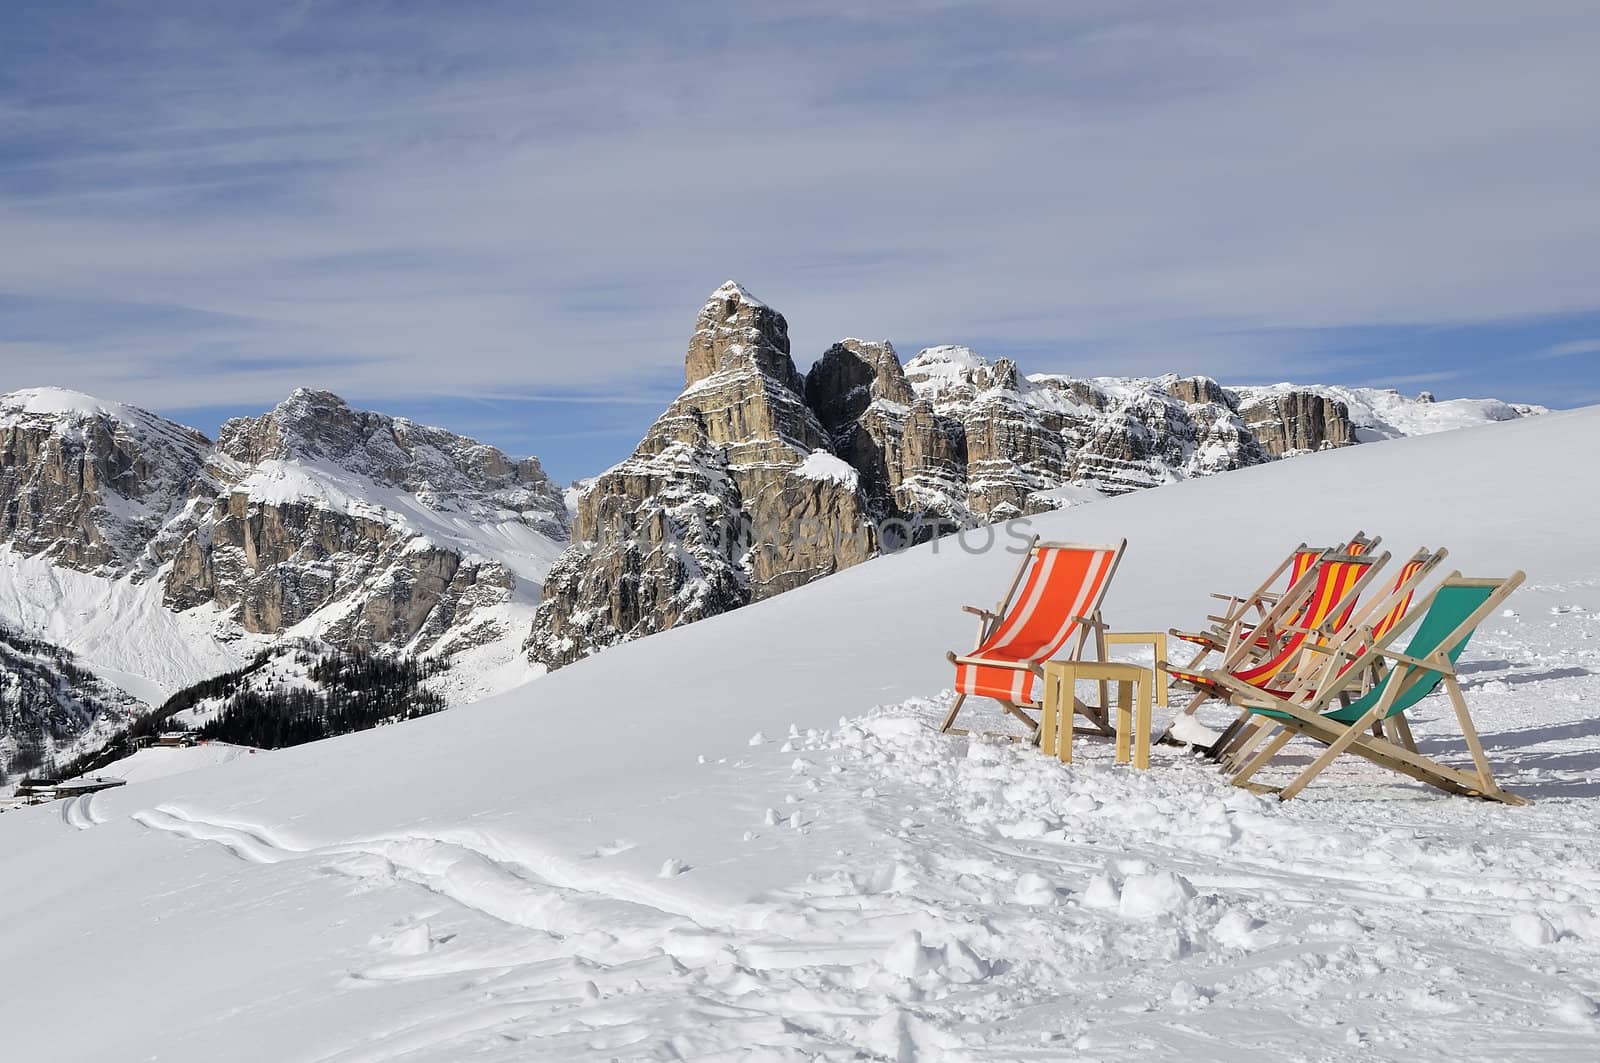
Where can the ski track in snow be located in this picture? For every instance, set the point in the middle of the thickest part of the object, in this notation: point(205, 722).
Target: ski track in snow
point(78, 812)
point(989, 903)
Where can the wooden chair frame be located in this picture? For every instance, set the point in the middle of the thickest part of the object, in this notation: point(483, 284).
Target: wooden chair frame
point(1248, 646)
point(1262, 598)
point(1090, 623)
point(1239, 737)
point(1399, 756)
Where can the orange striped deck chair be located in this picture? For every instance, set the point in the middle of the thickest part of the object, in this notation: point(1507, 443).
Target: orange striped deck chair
point(1367, 627)
point(1320, 602)
point(1051, 609)
point(1260, 600)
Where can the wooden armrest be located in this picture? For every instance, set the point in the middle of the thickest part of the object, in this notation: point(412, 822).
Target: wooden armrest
point(1416, 662)
point(1088, 622)
point(985, 662)
point(975, 611)
point(1227, 597)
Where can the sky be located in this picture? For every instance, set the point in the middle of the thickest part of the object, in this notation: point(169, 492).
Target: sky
point(503, 217)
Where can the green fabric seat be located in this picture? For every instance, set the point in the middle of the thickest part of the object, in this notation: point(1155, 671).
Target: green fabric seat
point(1451, 606)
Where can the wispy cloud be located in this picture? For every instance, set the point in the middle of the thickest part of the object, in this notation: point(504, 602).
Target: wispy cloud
point(1570, 349)
point(502, 198)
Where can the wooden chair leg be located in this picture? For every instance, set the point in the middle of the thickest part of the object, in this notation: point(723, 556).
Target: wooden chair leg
point(1011, 707)
point(951, 718)
point(1469, 732)
point(1248, 741)
point(1228, 740)
point(1263, 758)
point(1402, 731)
point(1339, 745)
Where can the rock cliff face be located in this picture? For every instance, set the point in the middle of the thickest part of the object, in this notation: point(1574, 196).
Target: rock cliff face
point(754, 482)
point(371, 525)
point(732, 496)
point(88, 483)
point(358, 528)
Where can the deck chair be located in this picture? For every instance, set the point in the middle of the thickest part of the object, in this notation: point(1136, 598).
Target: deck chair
point(1052, 607)
point(1372, 623)
point(1316, 605)
point(1255, 605)
point(1441, 627)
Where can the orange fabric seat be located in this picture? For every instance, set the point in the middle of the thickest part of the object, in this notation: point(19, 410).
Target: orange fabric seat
point(1052, 607)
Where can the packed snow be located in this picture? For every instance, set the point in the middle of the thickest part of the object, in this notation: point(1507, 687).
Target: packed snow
point(159, 762)
point(743, 839)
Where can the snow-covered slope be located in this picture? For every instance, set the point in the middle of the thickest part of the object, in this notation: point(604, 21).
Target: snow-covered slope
point(675, 849)
point(50, 706)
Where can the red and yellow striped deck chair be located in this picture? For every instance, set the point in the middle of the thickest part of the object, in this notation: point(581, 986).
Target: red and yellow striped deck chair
point(1260, 600)
point(1367, 627)
point(1050, 611)
point(1319, 603)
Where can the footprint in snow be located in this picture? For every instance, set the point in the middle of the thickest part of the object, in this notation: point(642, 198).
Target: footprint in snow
point(621, 845)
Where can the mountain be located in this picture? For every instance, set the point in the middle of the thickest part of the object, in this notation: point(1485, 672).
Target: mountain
point(719, 505)
point(89, 484)
point(743, 838)
point(51, 706)
point(162, 558)
point(756, 480)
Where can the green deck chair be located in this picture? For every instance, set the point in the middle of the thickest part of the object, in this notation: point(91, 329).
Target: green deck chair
point(1444, 622)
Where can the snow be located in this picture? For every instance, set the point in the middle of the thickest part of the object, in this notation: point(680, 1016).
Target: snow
point(119, 629)
point(1068, 495)
point(159, 762)
point(507, 540)
point(1383, 413)
point(820, 465)
point(66, 404)
point(734, 289)
point(488, 883)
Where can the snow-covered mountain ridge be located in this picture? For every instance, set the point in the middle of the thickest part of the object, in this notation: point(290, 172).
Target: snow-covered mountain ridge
point(757, 480)
point(162, 558)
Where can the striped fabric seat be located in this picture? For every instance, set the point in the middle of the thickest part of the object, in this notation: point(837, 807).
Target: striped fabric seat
point(1331, 602)
point(1050, 611)
point(1298, 564)
point(1333, 649)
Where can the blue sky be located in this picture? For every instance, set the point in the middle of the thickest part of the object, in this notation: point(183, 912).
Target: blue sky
point(503, 217)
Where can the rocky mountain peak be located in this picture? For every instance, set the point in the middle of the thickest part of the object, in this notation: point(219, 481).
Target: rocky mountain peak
point(852, 375)
point(735, 330)
point(720, 504)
